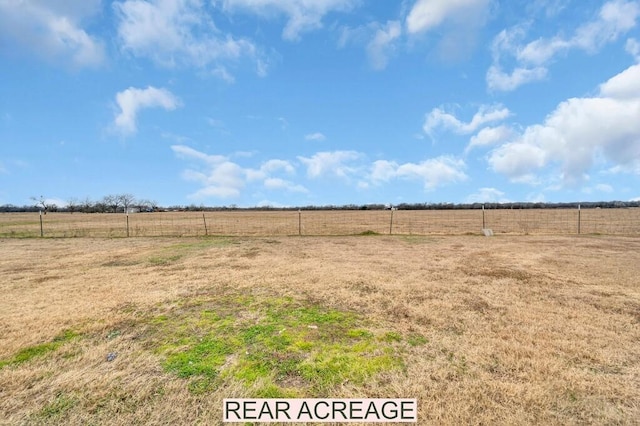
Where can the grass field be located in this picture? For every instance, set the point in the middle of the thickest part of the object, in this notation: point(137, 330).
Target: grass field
point(502, 330)
point(621, 221)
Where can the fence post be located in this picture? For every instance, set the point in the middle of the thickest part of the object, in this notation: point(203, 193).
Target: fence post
point(579, 219)
point(483, 222)
point(299, 222)
point(127, 224)
point(41, 229)
point(206, 232)
point(391, 223)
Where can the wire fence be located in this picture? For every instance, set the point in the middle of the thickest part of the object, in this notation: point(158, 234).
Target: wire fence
point(615, 221)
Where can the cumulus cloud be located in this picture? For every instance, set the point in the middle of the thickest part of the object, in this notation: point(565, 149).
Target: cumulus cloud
point(220, 177)
point(439, 118)
point(487, 195)
point(428, 14)
point(302, 16)
point(132, 100)
point(432, 172)
point(490, 136)
point(181, 33)
point(578, 133)
point(499, 80)
point(615, 18)
point(317, 136)
point(278, 184)
point(53, 30)
point(335, 163)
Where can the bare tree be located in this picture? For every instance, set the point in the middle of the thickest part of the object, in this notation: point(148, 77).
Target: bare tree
point(112, 202)
point(41, 204)
point(72, 204)
point(126, 200)
point(87, 205)
point(146, 205)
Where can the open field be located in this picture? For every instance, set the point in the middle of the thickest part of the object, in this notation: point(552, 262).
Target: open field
point(502, 330)
point(620, 221)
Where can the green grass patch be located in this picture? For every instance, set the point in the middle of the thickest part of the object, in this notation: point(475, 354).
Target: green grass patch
point(391, 336)
point(418, 239)
point(164, 260)
point(40, 350)
point(368, 232)
point(57, 408)
point(276, 347)
point(415, 339)
point(175, 252)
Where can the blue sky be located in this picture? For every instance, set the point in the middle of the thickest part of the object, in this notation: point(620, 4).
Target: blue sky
point(320, 102)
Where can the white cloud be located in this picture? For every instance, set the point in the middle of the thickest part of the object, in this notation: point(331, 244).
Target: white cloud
point(454, 23)
point(633, 48)
point(497, 79)
point(429, 14)
point(490, 136)
point(275, 165)
point(277, 184)
point(53, 30)
point(379, 40)
point(219, 177)
point(132, 100)
point(383, 44)
point(625, 85)
point(438, 117)
point(186, 152)
point(432, 172)
point(181, 33)
point(487, 195)
point(579, 132)
point(518, 159)
point(224, 180)
point(268, 168)
point(603, 187)
point(302, 15)
point(383, 171)
point(315, 136)
point(614, 19)
point(336, 163)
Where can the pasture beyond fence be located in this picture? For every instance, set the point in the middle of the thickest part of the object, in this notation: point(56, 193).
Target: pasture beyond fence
point(615, 221)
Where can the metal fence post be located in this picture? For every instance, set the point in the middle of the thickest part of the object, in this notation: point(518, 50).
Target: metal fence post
point(299, 222)
point(579, 224)
point(483, 222)
point(41, 229)
point(391, 223)
point(127, 224)
point(206, 232)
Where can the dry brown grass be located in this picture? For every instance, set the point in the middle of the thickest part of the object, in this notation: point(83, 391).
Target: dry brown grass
point(324, 222)
point(518, 329)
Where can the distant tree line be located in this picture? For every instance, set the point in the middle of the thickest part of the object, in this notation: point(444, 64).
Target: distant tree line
point(116, 203)
point(121, 203)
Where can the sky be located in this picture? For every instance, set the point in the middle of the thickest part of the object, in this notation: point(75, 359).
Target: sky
point(289, 103)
